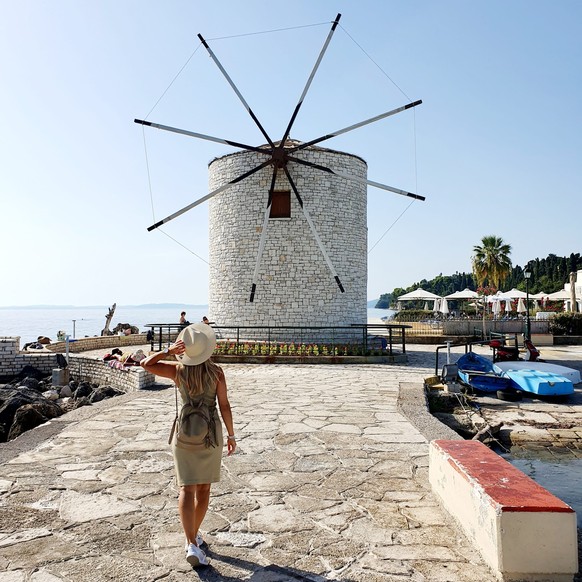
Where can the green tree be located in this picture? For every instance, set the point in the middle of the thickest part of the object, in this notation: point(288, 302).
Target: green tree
point(491, 262)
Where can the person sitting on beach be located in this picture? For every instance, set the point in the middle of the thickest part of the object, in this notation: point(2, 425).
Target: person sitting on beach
point(183, 320)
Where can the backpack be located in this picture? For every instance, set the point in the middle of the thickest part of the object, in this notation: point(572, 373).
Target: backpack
point(194, 425)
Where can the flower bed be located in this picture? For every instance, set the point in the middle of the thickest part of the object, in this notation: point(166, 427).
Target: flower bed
point(229, 348)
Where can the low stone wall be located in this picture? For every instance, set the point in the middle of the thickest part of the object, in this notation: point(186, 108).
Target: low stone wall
point(98, 342)
point(467, 326)
point(96, 370)
point(82, 368)
point(568, 340)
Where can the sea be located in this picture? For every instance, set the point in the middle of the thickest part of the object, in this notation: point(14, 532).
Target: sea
point(31, 322)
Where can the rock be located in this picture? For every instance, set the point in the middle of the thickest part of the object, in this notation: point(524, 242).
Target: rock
point(83, 401)
point(122, 327)
point(65, 391)
point(31, 382)
point(51, 394)
point(104, 392)
point(30, 416)
point(28, 371)
point(10, 401)
point(73, 385)
point(84, 389)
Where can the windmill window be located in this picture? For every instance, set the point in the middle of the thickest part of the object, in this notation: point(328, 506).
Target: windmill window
point(281, 204)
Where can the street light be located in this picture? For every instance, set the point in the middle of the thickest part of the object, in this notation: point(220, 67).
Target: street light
point(527, 275)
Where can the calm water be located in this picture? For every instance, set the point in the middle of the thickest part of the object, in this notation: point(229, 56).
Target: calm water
point(561, 476)
point(29, 323)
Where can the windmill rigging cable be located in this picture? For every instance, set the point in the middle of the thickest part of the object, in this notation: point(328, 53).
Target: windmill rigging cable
point(152, 201)
point(269, 31)
point(414, 133)
point(173, 80)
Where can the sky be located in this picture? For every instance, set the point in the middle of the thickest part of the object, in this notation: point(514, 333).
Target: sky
point(495, 147)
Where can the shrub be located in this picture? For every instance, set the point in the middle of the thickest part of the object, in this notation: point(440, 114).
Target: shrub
point(566, 324)
point(413, 315)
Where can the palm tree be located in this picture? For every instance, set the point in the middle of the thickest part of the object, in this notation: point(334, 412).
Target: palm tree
point(491, 263)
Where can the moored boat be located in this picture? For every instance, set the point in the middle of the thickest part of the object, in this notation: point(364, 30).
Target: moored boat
point(539, 382)
point(570, 373)
point(478, 372)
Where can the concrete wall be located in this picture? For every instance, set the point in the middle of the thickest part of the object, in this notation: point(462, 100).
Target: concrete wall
point(522, 531)
point(467, 326)
point(295, 285)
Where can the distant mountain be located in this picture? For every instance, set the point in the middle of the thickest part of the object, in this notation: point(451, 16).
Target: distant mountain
point(372, 303)
point(143, 306)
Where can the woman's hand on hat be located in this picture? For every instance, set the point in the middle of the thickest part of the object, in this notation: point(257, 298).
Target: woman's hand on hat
point(178, 348)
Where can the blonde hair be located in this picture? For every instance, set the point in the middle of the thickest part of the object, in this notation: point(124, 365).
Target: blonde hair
point(197, 379)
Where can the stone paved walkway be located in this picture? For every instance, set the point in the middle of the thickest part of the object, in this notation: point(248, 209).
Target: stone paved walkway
point(329, 482)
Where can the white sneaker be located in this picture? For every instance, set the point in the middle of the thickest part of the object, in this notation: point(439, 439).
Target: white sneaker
point(195, 556)
point(199, 542)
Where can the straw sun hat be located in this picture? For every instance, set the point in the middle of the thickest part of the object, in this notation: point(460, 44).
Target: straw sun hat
point(200, 341)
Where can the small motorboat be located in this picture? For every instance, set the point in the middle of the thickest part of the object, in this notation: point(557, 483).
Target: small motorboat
point(478, 372)
point(540, 383)
point(570, 373)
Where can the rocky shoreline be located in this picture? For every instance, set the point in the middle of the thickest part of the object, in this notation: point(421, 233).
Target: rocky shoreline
point(31, 399)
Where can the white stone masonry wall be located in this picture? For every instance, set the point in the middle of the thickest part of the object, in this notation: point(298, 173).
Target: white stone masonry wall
point(295, 285)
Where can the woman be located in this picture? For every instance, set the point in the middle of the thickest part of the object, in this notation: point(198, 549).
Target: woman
point(200, 383)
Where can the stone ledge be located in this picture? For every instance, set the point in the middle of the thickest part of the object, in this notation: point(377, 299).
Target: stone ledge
point(522, 531)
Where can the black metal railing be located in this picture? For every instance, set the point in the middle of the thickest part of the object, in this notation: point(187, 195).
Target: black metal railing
point(302, 340)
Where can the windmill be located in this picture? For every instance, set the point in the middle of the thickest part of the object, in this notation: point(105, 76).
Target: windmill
point(279, 155)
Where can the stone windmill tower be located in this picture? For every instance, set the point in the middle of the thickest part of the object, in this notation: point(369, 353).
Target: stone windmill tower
point(288, 233)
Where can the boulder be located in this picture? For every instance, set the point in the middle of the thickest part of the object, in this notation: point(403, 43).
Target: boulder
point(31, 382)
point(84, 389)
point(51, 395)
point(83, 401)
point(28, 372)
point(65, 391)
point(104, 392)
point(124, 327)
point(30, 416)
point(10, 401)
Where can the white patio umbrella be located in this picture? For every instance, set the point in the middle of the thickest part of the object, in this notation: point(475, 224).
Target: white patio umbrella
point(508, 307)
point(464, 294)
point(418, 294)
point(561, 295)
point(497, 307)
point(444, 306)
point(513, 294)
point(436, 305)
point(541, 296)
point(426, 306)
point(521, 306)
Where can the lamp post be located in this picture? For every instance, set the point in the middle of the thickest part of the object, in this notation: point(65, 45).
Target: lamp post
point(527, 275)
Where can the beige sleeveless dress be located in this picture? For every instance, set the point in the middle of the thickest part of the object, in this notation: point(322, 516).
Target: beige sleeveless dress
point(200, 464)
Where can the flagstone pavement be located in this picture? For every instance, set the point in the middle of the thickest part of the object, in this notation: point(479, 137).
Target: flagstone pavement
point(329, 482)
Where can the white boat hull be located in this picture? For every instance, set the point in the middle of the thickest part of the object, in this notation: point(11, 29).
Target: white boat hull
point(569, 373)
